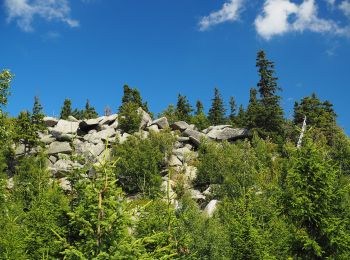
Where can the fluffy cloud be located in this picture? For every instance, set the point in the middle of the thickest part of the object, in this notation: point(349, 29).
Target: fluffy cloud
point(345, 7)
point(24, 11)
point(282, 16)
point(230, 11)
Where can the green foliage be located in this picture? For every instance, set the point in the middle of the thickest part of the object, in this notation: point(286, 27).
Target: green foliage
point(217, 111)
point(314, 201)
point(241, 117)
point(140, 161)
point(66, 110)
point(200, 120)
point(170, 114)
point(89, 111)
point(133, 96)
point(26, 131)
point(233, 108)
point(5, 80)
point(37, 117)
point(129, 117)
point(183, 108)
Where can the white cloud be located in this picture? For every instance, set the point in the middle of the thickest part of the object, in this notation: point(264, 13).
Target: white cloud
point(24, 11)
point(330, 2)
point(345, 7)
point(229, 12)
point(282, 16)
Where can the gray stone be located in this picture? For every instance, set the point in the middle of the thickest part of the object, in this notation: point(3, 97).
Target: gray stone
point(65, 184)
point(191, 173)
point(210, 208)
point(47, 139)
point(197, 195)
point(123, 138)
point(72, 119)
point(107, 120)
point(64, 127)
point(145, 118)
point(19, 149)
point(105, 134)
point(195, 136)
point(162, 122)
point(180, 125)
point(87, 125)
point(52, 159)
point(229, 134)
point(64, 137)
point(181, 152)
point(153, 128)
point(216, 127)
point(174, 161)
point(50, 121)
point(59, 147)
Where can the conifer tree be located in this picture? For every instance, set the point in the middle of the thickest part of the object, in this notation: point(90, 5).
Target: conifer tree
point(183, 108)
point(253, 110)
point(269, 120)
point(89, 111)
point(217, 111)
point(5, 80)
point(200, 120)
point(170, 114)
point(134, 96)
point(38, 115)
point(233, 108)
point(66, 110)
point(241, 117)
point(26, 132)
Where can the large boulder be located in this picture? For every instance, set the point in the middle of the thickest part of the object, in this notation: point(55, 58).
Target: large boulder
point(180, 125)
point(215, 127)
point(64, 127)
point(210, 208)
point(195, 136)
point(162, 122)
point(146, 119)
point(59, 147)
point(229, 134)
point(87, 125)
point(174, 161)
point(181, 152)
point(50, 121)
point(101, 136)
point(107, 120)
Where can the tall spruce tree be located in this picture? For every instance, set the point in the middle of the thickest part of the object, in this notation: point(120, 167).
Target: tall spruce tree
point(217, 111)
point(26, 131)
point(5, 80)
point(66, 110)
point(89, 111)
point(269, 121)
point(241, 117)
point(133, 95)
point(233, 108)
point(199, 108)
point(38, 115)
point(183, 108)
point(200, 120)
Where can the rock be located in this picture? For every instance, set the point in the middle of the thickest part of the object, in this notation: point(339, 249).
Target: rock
point(153, 128)
point(72, 119)
point(180, 125)
point(63, 165)
point(145, 118)
point(123, 138)
point(196, 195)
point(50, 121)
point(87, 125)
point(47, 139)
point(162, 122)
point(64, 137)
point(64, 127)
point(168, 187)
point(107, 120)
point(216, 127)
point(183, 139)
point(181, 153)
point(210, 208)
point(98, 149)
point(59, 147)
point(174, 161)
point(229, 134)
point(195, 136)
point(19, 149)
point(65, 184)
point(52, 159)
point(104, 134)
point(10, 183)
point(191, 173)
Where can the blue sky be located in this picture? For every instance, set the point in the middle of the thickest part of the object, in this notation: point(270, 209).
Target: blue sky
point(90, 48)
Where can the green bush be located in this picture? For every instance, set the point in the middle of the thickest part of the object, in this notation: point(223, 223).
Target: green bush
point(129, 117)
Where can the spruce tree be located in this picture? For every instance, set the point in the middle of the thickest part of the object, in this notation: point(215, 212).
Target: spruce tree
point(26, 131)
point(253, 110)
point(217, 111)
point(269, 121)
point(89, 111)
point(38, 115)
point(199, 108)
point(66, 110)
point(200, 120)
point(233, 108)
point(5, 80)
point(183, 108)
point(241, 117)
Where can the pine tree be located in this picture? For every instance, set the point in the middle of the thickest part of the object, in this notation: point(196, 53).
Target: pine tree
point(241, 117)
point(269, 120)
point(183, 108)
point(89, 111)
point(200, 120)
point(38, 115)
point(5, 80)
point(66, 110)
point(233, 108)
point(199, 107)
point(134, 96)
point(129, 117)
point(26, 132)
point(217, 111)
point(170, 114)
point(253, 110)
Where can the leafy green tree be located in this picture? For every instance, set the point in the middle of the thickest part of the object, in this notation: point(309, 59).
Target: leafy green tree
point(183, 108)
point(319, 115)
point(129, 117)
point(66, 110)
point(269, 121)
point(89, 111)
point(37, 117)
point(314, 201)
point(5, 80)
point(140, 161)
point(200, 120)
point(217, 111)
point(26, 132)
point(233, 108)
